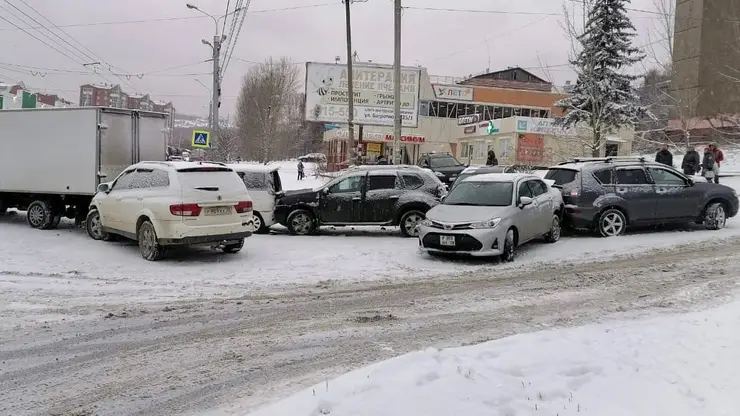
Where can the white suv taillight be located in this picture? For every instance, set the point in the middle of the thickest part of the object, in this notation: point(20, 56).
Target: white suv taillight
point(243, 206)
point(185, 210)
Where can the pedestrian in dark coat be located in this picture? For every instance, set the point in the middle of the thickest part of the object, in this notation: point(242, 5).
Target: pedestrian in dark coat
point(301, 175)
point(708, 165)
point(491, 160)
point(691, 164)
point(664, 156)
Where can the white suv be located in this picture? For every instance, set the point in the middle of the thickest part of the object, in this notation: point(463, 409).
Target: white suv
point(162, 204)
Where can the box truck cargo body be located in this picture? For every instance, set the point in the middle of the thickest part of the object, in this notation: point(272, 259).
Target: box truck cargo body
point(53, 159)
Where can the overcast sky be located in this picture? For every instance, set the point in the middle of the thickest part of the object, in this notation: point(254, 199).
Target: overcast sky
point(526, 33)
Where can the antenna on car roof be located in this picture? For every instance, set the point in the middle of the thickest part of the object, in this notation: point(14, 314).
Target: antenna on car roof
point(607, 159)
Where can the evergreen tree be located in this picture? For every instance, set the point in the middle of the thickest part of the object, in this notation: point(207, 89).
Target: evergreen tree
point(603, 98)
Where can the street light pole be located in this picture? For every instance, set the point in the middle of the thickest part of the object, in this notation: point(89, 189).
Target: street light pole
point(210, 105)
point(216, 89)
point(397, 122)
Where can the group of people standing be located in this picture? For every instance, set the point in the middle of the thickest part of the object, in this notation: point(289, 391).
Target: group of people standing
point(695, 164)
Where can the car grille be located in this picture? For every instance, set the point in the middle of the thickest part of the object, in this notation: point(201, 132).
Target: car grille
point(463, 242)
point(448, 226)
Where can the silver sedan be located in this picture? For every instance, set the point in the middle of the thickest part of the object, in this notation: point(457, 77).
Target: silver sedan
point(491, 215)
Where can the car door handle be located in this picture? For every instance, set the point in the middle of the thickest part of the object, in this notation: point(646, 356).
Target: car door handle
point(621, 189)
point(357, 198)
point(394, 197)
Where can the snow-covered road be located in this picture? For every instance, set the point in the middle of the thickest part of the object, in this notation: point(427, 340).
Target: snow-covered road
point(90, 326)
point(188, 356)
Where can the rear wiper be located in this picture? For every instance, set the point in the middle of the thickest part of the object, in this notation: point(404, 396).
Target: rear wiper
point(206, 188)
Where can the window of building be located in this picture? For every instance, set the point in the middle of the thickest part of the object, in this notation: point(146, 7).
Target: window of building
point(507, 112)
point(517, 112)
point(526, 112)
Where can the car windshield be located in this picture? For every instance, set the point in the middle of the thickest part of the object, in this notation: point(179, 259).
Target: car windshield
point(444, 162)
point(484, 194)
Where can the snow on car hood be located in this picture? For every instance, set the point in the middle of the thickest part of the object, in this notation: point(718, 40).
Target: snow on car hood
point(464, 213)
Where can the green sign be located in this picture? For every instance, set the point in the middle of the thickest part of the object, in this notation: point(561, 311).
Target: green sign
point(29, 100)
point(491, 128)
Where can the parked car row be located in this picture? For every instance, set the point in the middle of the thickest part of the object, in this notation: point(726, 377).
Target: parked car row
point(164, 204)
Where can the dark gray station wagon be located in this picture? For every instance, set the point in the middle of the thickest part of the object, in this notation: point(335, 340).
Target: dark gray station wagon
point(609, 194)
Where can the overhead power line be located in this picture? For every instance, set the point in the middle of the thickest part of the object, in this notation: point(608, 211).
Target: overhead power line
point(43, 71)
point(167, 19)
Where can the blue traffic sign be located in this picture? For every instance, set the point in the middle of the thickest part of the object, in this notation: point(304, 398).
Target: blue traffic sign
point(201, 139)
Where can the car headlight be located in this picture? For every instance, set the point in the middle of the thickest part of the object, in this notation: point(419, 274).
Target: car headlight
point(440, 174)
point(492, 223)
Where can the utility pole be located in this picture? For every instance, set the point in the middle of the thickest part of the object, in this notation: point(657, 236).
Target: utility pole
point(397, 82)
point(350, 88)
point(216, 100)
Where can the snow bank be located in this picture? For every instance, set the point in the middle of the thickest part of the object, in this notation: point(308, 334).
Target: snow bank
point(683, 365)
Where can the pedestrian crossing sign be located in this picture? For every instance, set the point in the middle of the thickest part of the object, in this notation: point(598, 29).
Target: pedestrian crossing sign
point(201, 139)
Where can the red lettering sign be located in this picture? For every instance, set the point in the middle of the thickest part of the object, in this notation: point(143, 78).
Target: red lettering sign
point(406, 139)
point(530, 149)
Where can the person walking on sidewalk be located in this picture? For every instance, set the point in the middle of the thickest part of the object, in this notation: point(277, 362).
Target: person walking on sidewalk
point(718, 158)
point(300, 170)
point(708, 164)
point(664, 156)
point(691, 164)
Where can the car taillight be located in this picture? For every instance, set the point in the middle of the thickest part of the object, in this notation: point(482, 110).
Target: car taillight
point(574, 192)
point(243, 206)
point(185, 210)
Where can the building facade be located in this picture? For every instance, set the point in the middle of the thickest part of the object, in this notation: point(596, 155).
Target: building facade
point(106, 95)
point(454, 118)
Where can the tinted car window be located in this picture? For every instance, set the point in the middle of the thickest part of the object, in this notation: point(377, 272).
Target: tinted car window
point(412, 181)
point(124, 181)
point(351, 184)
point(561, 176)
point(604, 176)
point(538, 187)
point(381, 182)
point(489, 194)
point(444, 162)
point(632, 176)
point(665, 177)
point(254, 180)
point(524, 190)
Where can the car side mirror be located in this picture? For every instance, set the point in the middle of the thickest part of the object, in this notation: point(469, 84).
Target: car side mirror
point(524, 201)
point(325, 191)
point(104, 187)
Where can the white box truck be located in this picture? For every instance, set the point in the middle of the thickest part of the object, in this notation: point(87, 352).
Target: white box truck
point(53, 159)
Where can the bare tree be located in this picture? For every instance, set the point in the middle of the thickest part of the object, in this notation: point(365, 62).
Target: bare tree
point(229, 145)
point(263, 108)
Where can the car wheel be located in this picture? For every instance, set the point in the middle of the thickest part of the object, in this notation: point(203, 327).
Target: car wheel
point(715, 216)
point(39, 215)
point(94, 226)
point(259, 224)
point(301, 222)
point(553, 235)
point(148, 245)
point(409, 221)
point(509, 247)
point(233, 248)
point(612, 222)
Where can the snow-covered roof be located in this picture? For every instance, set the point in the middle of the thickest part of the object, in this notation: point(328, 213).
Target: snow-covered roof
point(498, 177)
point(177, 165)
point(253, 167)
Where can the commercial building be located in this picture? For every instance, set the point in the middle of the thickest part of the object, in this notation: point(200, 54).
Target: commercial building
point(454, 116)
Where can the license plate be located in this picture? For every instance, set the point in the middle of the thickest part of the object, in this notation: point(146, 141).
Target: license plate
point(217, 211)
point(447, 240)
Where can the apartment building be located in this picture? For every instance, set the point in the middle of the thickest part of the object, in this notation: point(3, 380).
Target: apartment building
point(107, 95)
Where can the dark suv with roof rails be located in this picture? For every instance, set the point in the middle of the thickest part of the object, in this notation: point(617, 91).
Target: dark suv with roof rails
point(609, 194)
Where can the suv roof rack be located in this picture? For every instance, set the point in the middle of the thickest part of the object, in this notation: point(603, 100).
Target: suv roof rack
point(608, 159)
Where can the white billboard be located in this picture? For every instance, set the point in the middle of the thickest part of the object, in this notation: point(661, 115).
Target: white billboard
point(327, 97)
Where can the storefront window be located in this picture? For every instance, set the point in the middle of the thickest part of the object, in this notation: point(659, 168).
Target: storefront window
point(424, 108)
point(526, 112)
point(507, 112)
point(498, 112)
point(464, 150)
